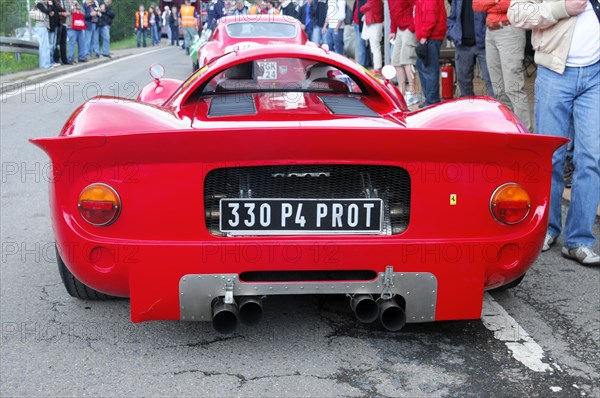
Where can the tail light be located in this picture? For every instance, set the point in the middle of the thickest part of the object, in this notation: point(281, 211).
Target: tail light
point(510, 203)
point(99, 204)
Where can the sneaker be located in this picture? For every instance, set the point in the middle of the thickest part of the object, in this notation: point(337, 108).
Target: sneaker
point(107, 55)
point(583, 255)
point(410, 98)
point(548, 242)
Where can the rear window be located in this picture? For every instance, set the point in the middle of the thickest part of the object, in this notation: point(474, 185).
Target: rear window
point(244, 30)
point(282, 74)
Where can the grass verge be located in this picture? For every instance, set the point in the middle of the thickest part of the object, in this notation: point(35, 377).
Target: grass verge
point(9, 63)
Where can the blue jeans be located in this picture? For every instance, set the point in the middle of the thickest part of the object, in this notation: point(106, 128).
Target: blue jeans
point(466, 56)
point(141, 34)
point(75, 36)
point(317, 35)
point(361, 49)
point(91, 39)
point(576, 94)
point(105, 35)
point(44, 50)
point(52, 46)
point(154, 34)
point(335, 41)
point(430, 74)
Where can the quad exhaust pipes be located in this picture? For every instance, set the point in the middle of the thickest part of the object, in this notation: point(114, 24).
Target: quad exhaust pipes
point(367, 310)
point(226, 317)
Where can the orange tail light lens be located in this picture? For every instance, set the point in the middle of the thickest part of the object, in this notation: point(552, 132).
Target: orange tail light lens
point(99, 204)
point(510, 203)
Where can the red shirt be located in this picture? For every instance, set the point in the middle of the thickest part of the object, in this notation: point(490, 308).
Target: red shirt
point(401, 15)
point(373, 10)
point(430, 19)
point(496, 12)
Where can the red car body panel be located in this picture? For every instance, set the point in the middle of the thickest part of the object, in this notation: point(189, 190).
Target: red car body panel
point(220, 41)
point(157, 157)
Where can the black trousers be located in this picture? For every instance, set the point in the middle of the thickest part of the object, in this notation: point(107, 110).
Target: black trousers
point(60, 53)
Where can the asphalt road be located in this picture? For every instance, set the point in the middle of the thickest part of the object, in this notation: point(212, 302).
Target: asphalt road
point(539, 339)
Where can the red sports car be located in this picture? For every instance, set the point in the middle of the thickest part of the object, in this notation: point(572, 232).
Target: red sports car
point(243, 31)
point(290, 170)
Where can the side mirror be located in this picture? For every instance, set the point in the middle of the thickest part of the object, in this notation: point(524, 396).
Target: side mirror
point(157, 71)
point(388, 72)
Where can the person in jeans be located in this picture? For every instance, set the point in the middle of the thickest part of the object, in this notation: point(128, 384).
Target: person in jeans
point(141, 25)
point(361, 47)
point(334, 25)
point(105, 18)
point(466, 29)
point(91, 28)
point(566, 39)
point(75, 31)
point(153, 24)
point(504, 52)
point(430, 29)
point(318, 14)
point(54, 22)
point(306, 19)
point(41, 30)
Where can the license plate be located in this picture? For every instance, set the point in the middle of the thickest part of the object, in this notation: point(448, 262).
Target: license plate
point(269, 70)
point(300, 216)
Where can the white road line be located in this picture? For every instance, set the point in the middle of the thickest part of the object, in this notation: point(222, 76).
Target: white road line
point(23, 86)
point(524, 349)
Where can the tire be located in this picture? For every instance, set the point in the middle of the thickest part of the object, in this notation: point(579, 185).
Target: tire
point(75, 287)
point(510, 285)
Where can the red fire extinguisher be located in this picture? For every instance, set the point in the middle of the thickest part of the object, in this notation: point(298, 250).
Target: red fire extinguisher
point(447, 81)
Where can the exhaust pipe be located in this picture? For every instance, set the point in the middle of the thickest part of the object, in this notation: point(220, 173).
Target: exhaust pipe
point(250, 309)
point(364, 307)
point(225, 317)
point(391, 316)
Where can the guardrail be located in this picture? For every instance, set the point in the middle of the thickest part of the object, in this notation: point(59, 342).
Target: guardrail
point(18, 46)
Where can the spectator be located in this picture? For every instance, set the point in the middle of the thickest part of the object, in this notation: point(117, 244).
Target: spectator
point(373, 31)
point(257, 8)
point(105, 18)
point(61, 32)
point(334, 25)
point(216, 11)
point(240, 8)
point(75, 31)
point(466, 29)
point(430, 29)
point(357, 19)
point(566, 36)
point(153, 25)
point(159, 25)
point(504, 52)
point(165, 22)
point(290, 9)
point(91, 33)
point(174, 25)
point(42, 23)
point(318, 15)
point(54, 22)
point(141, 25)
point(273, 7)
point(189, 21)
point(305, 17)
point(404, 56)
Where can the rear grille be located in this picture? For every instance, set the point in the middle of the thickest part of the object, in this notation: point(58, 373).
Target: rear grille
point(389, 183)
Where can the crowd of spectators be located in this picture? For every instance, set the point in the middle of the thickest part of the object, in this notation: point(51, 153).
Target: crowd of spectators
point(62, 24)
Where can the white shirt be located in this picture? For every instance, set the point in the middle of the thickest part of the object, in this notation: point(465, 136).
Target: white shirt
point(336, 10)
point(585, 46)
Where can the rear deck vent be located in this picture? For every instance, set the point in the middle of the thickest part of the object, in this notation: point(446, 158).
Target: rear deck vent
point(347, 106)
point(232, 105)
